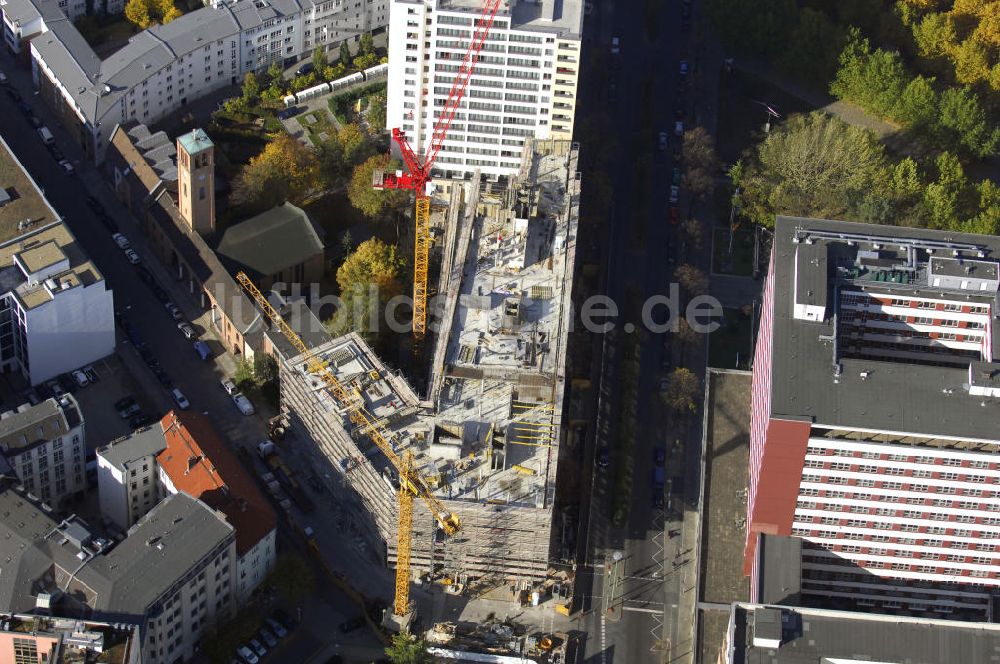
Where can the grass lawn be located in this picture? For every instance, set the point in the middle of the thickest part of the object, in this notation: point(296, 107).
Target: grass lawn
point(742, 115)
point(320, 124)
point(342, 105)
point(740, 263)
point(731, 342)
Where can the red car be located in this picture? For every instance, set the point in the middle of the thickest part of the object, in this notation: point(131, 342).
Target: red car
point(675, 215)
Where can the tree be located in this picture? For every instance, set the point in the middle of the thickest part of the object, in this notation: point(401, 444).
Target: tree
point(407, 649)
point(972, 62)
point(265, 368)
point(244, 377)
point(685, 334)
point(693, 232)
point(963, 119)
point(285, 170)
point(376, 112)
point(368, 279)
point(353, 143)
point(813, 165)
point(947, 199)
point(365, 61)
point(345, 54)
point(813, 46)
point(251, 88)
point(137, 11)
point(698, 149)
point(918, 105)
point(935, 36)
point(374, 202)
point(872, 79)
point(319, 59)
point(692, 280)
point(275, 75)
point(367, 44)
point(683, 388)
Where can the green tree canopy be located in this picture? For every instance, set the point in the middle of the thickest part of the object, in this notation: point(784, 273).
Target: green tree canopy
point(345, 54)
point(812, 165)
point(374, 202)
point(407, 649)
point(367, 44)
point(285, 170)
point(368, 279)
point(251, 88)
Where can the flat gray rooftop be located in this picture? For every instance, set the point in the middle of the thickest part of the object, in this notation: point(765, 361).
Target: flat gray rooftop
point(560, 16)
point(809, 636)
point(870, 394)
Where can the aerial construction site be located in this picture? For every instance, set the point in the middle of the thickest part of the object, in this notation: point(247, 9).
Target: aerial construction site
point(485, 438)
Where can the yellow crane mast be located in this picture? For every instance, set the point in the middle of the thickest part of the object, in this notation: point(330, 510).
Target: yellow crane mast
point(411, 482)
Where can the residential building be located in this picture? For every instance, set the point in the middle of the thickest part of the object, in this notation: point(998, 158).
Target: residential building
point(182, 453)
point(524, 84)
point(280, 245)
point(46, 448)
point(487, 436)
point(38, 639)
point(164, 68)
point(198, 462)
point(172, 575)
point(765, 634)
point(56, 311)
point(127, 476)
point(873, 432)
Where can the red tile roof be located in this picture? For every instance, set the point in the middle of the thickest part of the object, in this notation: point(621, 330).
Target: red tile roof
point(199, 463)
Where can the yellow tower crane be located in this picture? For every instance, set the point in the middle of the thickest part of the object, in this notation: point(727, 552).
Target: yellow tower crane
point(411, 482)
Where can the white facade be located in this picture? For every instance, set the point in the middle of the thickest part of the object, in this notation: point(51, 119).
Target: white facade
point(524, 84)
point(127, 476)
point(254, 565)
point(166, 67)
point(46, 448)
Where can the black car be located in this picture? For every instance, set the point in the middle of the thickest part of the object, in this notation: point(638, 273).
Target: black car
point(147, 356)
point(91, 374)
point(13, 94)
point(307, 68)
point(352, 624)
point(144, 274)
point(159, 293)
point(286, 620)
point(56, 153)
point(66, 382)
point(141, 420)
point(35, 121)
point(124, 403)
point(162, 376)
point(25, 109)
point(603, 457)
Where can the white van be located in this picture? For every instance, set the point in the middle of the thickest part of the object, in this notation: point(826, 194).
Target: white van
point(46, 135)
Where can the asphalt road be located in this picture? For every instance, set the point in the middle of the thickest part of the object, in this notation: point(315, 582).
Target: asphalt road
point(639, 90)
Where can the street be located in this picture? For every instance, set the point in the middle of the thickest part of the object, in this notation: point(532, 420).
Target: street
point(637, 580)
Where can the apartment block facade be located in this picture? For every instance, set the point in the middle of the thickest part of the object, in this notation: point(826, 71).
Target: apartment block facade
point(164, 68)
point(45, 446)
point(875, 397)
point(524, 84)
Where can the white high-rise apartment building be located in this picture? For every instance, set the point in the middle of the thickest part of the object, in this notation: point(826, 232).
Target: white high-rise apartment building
point(524, 84)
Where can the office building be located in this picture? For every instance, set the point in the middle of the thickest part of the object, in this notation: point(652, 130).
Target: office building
point(765, 634)
point(524, 85)
point(873, 433)
point(46, 448)
point(56, 311)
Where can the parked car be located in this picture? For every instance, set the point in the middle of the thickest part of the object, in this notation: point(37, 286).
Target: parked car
point(66, 382)
point(229, 386)
point(91, 374)
point(352, 624)
point(675, 193)
point(181, 402)
point(204, 352)
point(243, 404)
point(3, 78)
point(615, 46)
point(35, 121)
point(67, 167)
point(81, 378)
point(132, 257)
point(677, 175)
point(659, 456)
point(124, 402)
point(307, 68)
point(162, 376)
point(661, 143)
point(128, 412)
point(247, 655)
point(186, 330)
point(684, 68)
point(56, 153)
point(43, 132)
point(258, 647)
point(141, 420)
point(121, 240)
point(289, 622)
point(679, 128)
point(276, 627)
point(675, 215)
point(603, 457)
point(144, 274)
point(268, 637)
point(174, 311)
point(14, 95)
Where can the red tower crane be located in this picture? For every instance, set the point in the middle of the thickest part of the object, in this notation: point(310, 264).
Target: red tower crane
point(419, 170)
